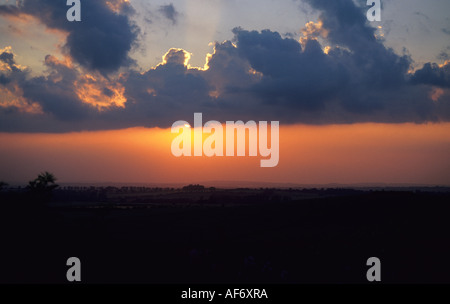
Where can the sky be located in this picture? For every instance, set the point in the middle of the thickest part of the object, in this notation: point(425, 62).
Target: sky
point(357, 101)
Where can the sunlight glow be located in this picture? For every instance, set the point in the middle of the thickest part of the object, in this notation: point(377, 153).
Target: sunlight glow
point(99, 92)
point(360, 153)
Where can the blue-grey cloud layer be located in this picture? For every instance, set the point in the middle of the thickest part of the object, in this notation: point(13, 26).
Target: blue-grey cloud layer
point(260, 76)
point(100, 42)
point(169, 12)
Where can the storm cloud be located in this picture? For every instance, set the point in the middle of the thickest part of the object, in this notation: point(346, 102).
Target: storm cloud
point(100, 42)
point(338, 72)
point(433, 74)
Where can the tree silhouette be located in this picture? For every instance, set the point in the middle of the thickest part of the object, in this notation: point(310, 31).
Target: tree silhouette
point(45, 181)
point(2, 184)
point(41, 188)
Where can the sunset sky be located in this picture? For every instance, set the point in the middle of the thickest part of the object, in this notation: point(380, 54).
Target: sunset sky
point(357, 101)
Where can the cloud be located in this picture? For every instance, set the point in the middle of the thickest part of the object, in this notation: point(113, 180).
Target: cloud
point(446, 31)
point(433, 74)
point(8, 62)
point(338, 72)
point(9, 10)
point(12, 76)
point(422, 15)
point(169, 12)
point(101, 41)
point(55, 93)
point(443, 56)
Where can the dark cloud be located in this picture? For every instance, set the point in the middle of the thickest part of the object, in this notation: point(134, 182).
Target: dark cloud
point(259, 75)
point(9, 70)
point(9, 10)
point(176, 56)
point(446, 31)
point(422, 15)
point(161, 95)
point(291, 76)
point(7, 58)
point(169, 12)
point(55, 93)
point(108, 92)
point(443, 56)
point(4, 80)
point(101, 41)
point(433, 74)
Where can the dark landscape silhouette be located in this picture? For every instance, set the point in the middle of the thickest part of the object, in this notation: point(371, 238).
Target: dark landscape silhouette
point(198, 234)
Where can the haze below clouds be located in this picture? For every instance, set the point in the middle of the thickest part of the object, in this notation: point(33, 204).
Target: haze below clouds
point(344, 154)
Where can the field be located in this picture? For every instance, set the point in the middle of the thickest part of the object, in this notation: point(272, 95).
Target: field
point(208, 235)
